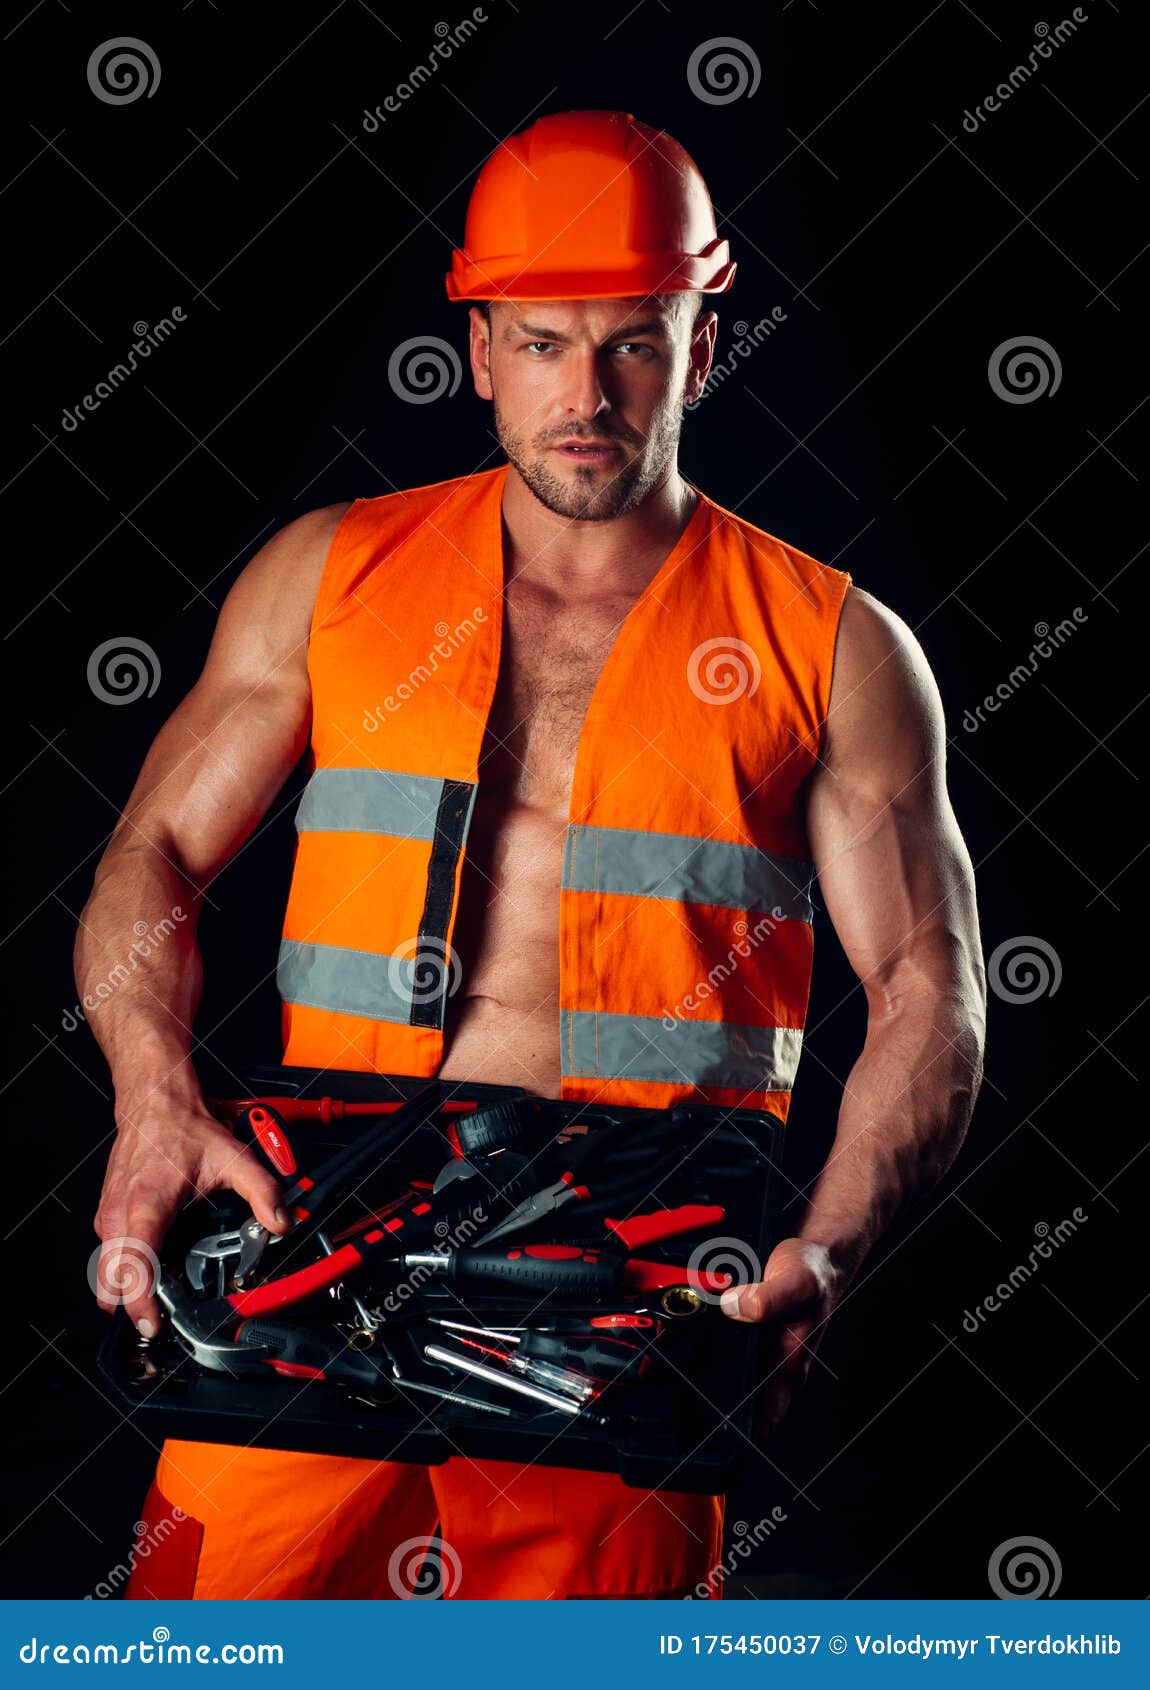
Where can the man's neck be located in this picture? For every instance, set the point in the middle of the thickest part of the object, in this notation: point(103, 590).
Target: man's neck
point(562, 552)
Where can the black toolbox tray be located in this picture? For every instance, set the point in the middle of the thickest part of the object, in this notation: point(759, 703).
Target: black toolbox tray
point(688, 1435)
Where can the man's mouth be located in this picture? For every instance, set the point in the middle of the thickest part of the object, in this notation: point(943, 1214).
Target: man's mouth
point(587, 451)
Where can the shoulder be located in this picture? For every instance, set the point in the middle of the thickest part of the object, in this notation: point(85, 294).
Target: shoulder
point(884, 697)
point(780, 565)
point(417, 504)
point(267, 612)
point(292, 560)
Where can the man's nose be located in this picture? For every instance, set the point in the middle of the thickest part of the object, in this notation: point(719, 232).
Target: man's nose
point(585, 393)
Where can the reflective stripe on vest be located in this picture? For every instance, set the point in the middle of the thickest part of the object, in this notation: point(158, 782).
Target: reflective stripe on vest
point(696, 1053)
point(349, 982)
point(694, 871)
point(370, 801)
point(596, 859)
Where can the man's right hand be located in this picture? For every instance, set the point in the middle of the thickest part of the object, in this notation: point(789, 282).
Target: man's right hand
point(164, 1157)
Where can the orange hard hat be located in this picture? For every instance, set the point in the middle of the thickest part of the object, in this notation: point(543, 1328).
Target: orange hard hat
point(589, 205)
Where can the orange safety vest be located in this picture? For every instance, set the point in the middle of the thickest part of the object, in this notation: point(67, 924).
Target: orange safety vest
point(685, 935)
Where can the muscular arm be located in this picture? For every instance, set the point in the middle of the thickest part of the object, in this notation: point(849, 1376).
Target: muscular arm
point(212, 772)
point(898, 885)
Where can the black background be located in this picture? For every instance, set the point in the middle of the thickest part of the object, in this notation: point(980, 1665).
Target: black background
point(904, 250)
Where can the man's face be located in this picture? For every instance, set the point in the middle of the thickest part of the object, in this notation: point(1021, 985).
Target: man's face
point(606, 375)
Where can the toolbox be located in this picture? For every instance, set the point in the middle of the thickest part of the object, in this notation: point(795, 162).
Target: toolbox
point(679, 1414)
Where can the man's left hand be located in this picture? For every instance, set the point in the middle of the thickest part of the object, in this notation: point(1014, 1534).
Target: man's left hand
point(799, 1289)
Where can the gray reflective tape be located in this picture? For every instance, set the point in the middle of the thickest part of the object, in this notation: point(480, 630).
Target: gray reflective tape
point(349, 982)
point(698, 1053)
point(686, 868)
point(370, 801)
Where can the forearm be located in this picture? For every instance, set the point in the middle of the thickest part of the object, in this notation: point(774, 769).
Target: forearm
point(904, 1114)
point(139, 973)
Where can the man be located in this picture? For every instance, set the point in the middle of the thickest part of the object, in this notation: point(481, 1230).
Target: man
point(579, 738)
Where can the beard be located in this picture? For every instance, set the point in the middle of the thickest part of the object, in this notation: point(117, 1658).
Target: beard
point(590, 494)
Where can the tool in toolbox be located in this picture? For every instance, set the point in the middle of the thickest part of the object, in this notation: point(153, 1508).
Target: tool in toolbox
point(420, 1217)
point(612, 1165)
point(579, 1387)
point(505, 1381)
point(241, 1250)
point(578, 1366)
point(262, 1128)
point(236, 1254)
point(259, 1348)
point(535, 1270)
point(322, 1110)
point(624, 1320)
point(554, 1269)
point(311, 1353)
point(583, 1360)
point(567, 1330)
point(311, 1193)
point(512, 1172)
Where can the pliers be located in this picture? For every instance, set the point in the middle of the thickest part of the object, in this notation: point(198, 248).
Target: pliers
point(615, 1163)
point(422, 1221)
point(306, 1199)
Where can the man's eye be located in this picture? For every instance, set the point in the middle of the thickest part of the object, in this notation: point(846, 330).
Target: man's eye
point(620, 346)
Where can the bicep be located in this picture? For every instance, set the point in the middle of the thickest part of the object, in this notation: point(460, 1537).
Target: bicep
point(892, 865)
point(216, 765)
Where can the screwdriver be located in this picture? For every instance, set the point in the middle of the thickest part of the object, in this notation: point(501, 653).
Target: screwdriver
point(307, 1352)
point(496, 1376)
point(601, 1357)
point(325, 1109)
point(577, 1325)
point(437, 1214)
point(569, 1381)
point(554, 1268)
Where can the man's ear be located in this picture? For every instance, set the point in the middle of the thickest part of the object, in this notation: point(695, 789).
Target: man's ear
point(703, 334)
point(480, 353)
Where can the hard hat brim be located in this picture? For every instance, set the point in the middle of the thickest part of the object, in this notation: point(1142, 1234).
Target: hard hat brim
point(650, 273)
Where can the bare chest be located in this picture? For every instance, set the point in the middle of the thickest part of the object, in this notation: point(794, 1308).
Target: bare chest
point(552, 657)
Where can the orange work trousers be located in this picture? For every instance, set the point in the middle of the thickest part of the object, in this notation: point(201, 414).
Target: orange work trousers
point(225, 1521)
